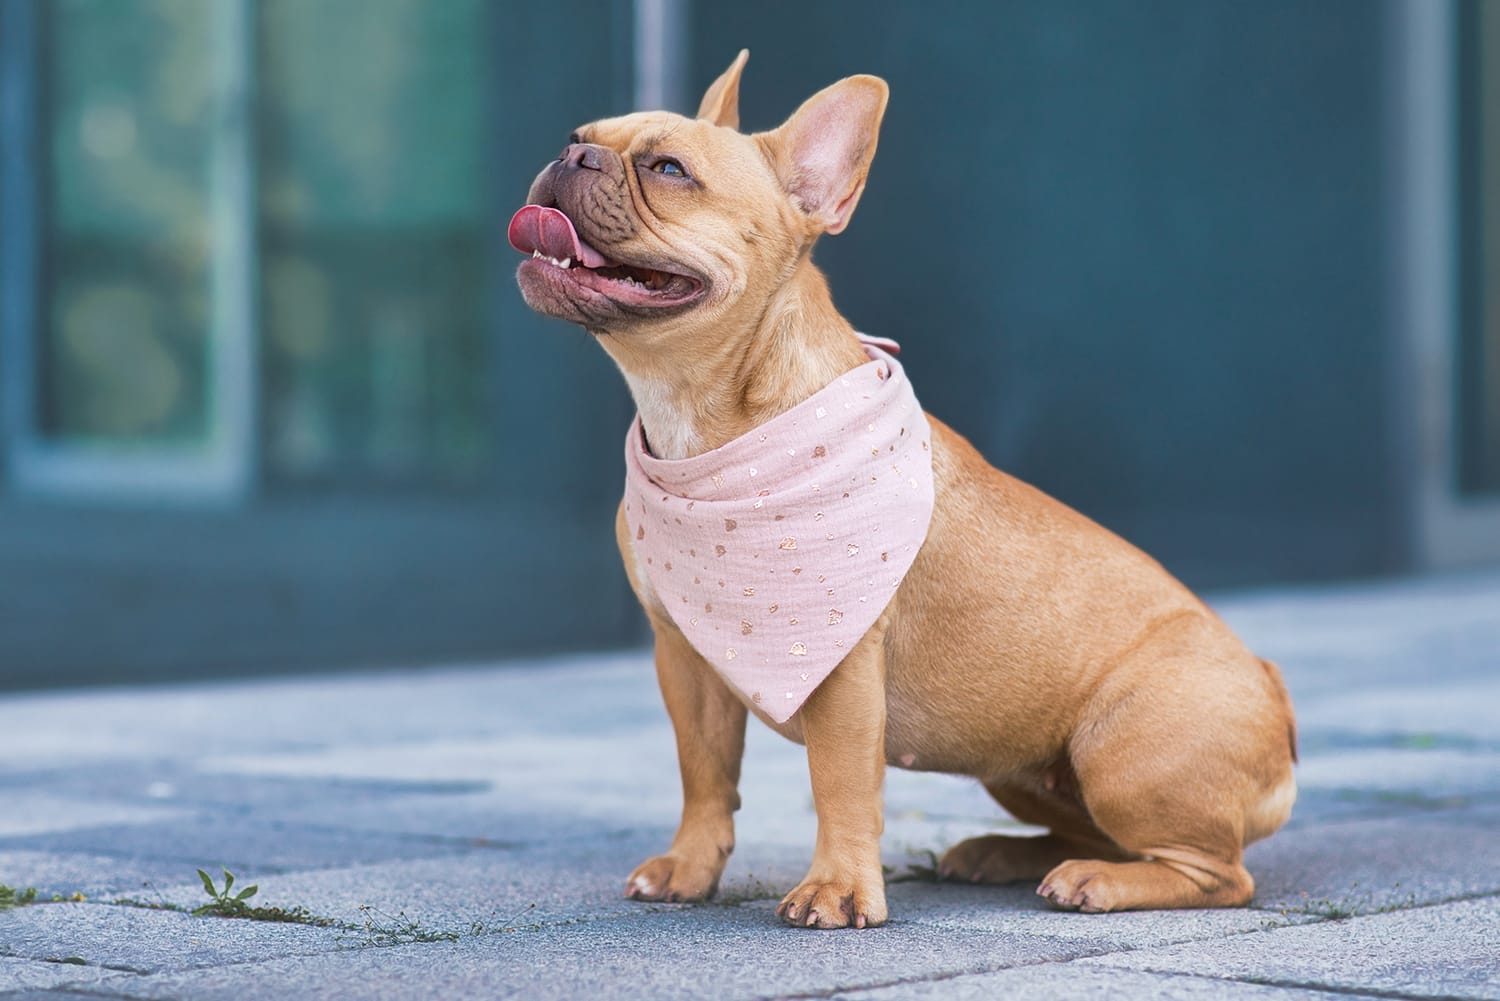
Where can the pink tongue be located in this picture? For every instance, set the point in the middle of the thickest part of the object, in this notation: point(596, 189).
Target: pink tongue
point(536, 228)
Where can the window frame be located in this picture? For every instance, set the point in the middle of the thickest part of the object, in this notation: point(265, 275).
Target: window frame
point(220, 469)
point(1449, 528)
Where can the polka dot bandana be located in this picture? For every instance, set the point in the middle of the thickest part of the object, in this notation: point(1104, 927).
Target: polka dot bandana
point(776, 553)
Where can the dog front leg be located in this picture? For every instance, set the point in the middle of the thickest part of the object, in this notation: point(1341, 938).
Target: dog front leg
point(710, 726)
point(843, 725)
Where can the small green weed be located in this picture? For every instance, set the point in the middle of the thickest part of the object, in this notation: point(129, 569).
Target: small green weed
point(744, 891)
point(11, 897)
point(915, 873)
point(384, 928)
point(159, 904)
point(1327, 907)
point(221, 903)
point(1359, 903)
point(227, 904)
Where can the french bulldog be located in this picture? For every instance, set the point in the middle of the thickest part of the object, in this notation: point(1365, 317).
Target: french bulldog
point(1015, 640)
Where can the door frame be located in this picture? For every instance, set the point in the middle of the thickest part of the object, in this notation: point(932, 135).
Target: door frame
point(1447, 527)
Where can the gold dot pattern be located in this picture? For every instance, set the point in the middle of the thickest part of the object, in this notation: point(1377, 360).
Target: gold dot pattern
point(839, 486)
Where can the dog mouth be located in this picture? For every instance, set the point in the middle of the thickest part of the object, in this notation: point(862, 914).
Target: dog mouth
point(548, 235)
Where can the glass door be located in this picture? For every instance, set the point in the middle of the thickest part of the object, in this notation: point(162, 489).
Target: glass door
point(128, 351)
point(374, 218)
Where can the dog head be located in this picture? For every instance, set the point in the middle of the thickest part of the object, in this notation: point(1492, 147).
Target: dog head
point(653, 224)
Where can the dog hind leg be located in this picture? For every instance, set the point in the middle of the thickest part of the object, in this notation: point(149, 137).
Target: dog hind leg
point(1177, 795)
point(1001, 858)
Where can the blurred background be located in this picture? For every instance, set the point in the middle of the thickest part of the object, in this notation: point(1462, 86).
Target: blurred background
point(1224, 276)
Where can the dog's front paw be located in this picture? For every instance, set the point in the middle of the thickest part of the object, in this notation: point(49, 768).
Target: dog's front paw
point(672, 878)
point(835, 903)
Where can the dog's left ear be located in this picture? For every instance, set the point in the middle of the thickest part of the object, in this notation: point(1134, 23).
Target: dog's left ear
point(823, 152)
point(721, 102)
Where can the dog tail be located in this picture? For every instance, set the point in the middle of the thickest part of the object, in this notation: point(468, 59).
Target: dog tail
point(1273, 673)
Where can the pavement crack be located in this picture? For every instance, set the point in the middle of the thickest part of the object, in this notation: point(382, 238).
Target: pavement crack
point(1340, 989)
point(1391, 908)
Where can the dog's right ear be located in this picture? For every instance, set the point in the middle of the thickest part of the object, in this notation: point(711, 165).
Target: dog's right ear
point(721, 103)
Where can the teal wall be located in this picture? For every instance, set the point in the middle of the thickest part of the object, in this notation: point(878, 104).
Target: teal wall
point(1135, 252)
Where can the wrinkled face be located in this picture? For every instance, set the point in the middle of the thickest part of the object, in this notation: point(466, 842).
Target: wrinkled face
point(651, 217)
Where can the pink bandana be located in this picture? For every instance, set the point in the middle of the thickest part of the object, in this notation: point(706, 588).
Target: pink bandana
point(776, 553)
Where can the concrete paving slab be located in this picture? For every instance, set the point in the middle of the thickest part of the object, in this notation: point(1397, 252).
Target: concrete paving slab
point(1017, 910)
point(1418, 708)
point(1435, 772)
point(28, 975)
point(95, 876)
point(724, 953)
point(1373, 782)
point(631, 783)
point(1444, 951)
point(1320, 808)
point(240, 844)
point(487, 818)
point(146, 941)
point(1332, 639)
point(181, 785)
point(31, 812)
point(559, 883)
point(40, 729)
point(632, 775)
point(1369, 865)
point(451, 895)
point(1074, 982)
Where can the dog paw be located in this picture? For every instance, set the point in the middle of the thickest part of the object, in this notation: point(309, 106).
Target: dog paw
point(995, 858)
point(672, 878)
point(1087, 886)
point(834, 903)
point(1147, 884)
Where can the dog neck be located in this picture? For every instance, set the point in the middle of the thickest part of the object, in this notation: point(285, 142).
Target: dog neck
point(737, 377)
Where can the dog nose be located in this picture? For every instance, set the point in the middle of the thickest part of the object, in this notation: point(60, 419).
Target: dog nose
point(583, 155)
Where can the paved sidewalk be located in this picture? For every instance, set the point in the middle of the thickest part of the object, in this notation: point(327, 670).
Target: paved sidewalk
point(469, 831)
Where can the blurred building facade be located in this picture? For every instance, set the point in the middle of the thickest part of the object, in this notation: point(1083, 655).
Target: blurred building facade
point(1225, 277)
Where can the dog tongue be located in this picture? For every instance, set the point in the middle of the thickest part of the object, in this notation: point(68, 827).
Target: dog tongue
point(536, 228)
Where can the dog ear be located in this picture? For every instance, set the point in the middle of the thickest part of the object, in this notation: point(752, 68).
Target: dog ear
point(721, 103)
point(822, 153)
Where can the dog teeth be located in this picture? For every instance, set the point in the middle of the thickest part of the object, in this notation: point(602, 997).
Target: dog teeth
point(565, 263)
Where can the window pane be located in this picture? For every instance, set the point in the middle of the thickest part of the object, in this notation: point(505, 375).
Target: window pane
point(374, 231)
point(128, 101)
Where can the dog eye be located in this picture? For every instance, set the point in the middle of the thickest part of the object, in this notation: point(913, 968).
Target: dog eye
point(668, 166)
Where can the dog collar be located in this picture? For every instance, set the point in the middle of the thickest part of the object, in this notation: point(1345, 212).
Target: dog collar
point(777, 552)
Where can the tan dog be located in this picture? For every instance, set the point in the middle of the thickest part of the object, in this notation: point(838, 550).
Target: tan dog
point(1089, 691)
